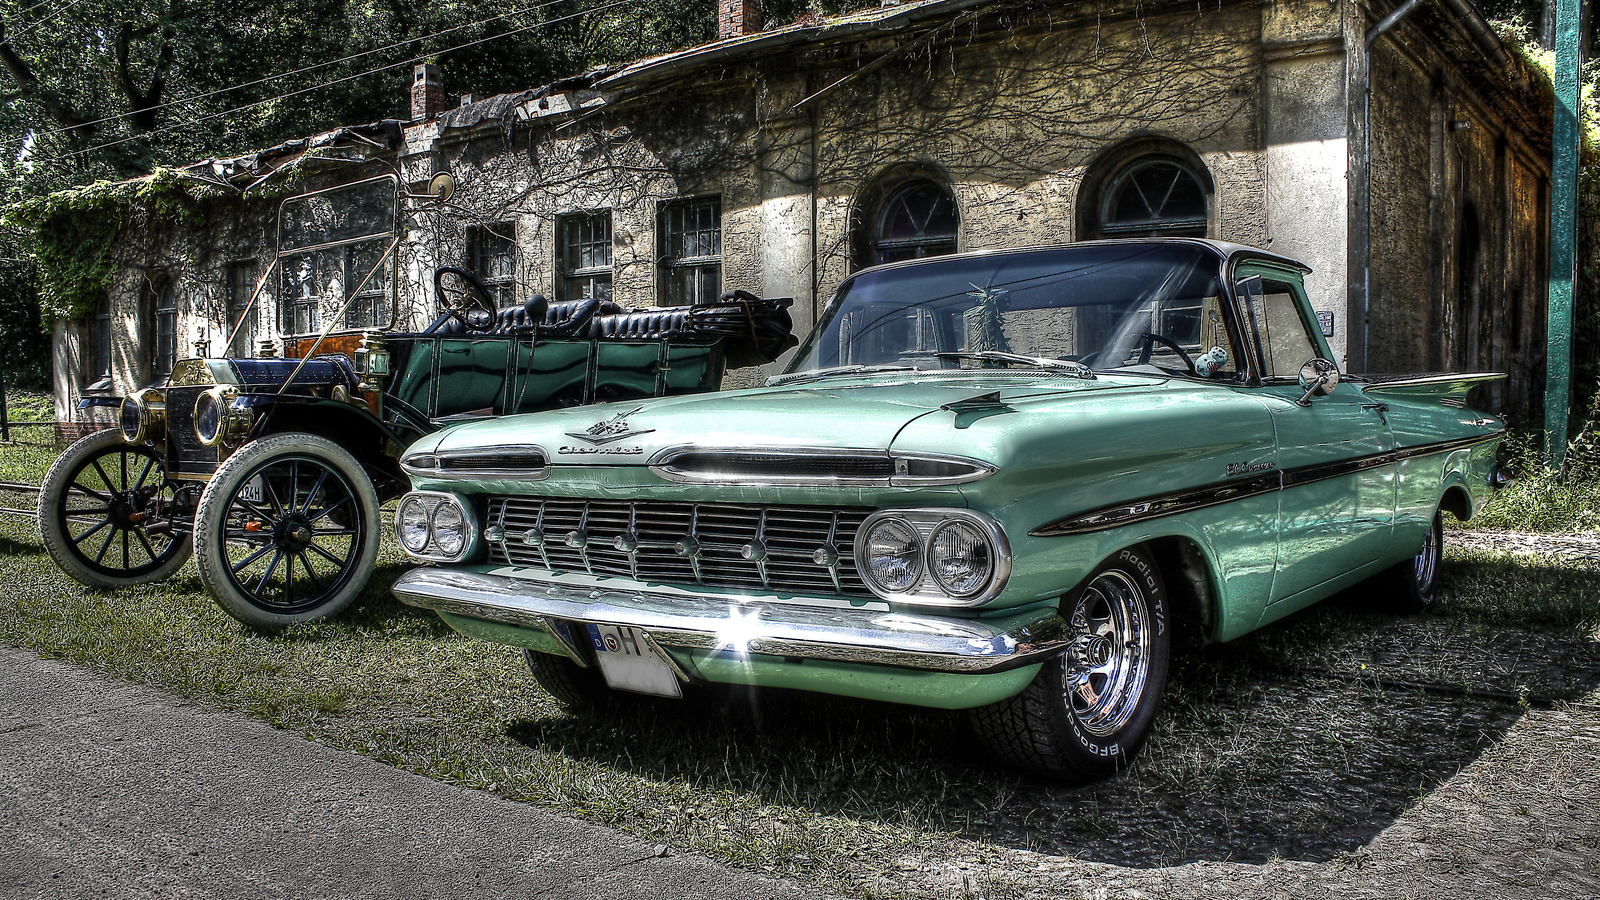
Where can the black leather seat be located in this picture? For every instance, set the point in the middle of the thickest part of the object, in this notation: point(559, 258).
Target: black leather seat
point(645, 325)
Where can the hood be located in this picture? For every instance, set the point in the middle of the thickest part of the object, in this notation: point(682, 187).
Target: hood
point(838, 414)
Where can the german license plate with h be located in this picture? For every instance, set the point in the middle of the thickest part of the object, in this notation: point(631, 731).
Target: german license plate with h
point(630, 663)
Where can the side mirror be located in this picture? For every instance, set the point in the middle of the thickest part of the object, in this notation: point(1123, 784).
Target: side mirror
point(1318, 378)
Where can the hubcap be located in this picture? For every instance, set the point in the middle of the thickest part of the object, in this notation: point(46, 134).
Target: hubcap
point(1426, 562)
point(1107, 663)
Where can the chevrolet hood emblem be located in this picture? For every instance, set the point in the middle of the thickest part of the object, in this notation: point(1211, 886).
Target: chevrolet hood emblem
point(611, 430)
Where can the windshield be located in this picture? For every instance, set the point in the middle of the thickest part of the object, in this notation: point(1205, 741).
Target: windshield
point(1107, 306)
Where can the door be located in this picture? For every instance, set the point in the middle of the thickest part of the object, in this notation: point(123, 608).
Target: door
point(1336, 509)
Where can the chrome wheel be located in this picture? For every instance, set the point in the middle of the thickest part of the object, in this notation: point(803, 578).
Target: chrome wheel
point(1090, 708)
point(1426, 563)
point(1108, 664)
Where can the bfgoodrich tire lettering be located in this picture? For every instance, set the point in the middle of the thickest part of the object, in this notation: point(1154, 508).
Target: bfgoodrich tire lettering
point(286, 531)
point(1089, 710)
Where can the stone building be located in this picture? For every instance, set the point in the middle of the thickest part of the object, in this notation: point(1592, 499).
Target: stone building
point(780, 160)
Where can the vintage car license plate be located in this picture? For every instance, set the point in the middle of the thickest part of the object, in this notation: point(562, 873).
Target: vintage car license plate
point(253, 491)
point(630, 664)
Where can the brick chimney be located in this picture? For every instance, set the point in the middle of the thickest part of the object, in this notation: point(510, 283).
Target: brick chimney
point(427, 93)
point(736, 18)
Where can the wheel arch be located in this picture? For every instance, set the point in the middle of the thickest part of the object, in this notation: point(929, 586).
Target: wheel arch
point(1191, 582)
point(353, 428)
point(1456, 500)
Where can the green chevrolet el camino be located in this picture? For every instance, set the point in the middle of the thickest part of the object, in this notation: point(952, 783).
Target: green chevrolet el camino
point(1002, 482)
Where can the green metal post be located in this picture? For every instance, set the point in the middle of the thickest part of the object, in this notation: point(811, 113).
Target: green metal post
point(1563, 233)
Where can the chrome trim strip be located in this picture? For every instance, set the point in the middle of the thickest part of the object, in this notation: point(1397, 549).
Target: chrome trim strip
point(839, 634)
point(440, 472)
point(927, 591)
point(662, 465)
point(1222, 492)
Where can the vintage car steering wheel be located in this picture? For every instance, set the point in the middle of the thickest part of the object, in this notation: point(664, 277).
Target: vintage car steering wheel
point(471, 304)
point(1148, 342)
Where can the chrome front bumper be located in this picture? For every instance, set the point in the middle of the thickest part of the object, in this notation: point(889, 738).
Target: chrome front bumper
point(711, 623)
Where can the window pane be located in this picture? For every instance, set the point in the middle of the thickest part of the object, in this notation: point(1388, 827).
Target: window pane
point(166, 329)
point(492, 256)
point(586, 257)
point(1285, 343)
point(1155, 197)
point(691, 252)
point(101, 368)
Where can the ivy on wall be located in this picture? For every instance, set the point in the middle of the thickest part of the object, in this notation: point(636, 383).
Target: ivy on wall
point(76, 233)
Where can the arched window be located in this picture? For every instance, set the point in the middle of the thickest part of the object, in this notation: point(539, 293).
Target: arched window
point(910, 214)
point(1150, 188)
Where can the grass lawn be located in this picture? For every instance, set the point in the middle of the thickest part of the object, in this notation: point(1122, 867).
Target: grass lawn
point(1301, 741)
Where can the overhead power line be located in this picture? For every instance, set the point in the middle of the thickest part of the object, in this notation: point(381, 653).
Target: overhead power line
point(41, 20)
point(304, 69)
point(316, 87)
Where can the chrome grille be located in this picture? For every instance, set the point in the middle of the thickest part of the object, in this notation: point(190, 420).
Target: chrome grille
point(801, 549)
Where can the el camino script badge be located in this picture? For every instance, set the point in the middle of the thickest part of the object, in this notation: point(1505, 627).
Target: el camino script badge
point(607, 432)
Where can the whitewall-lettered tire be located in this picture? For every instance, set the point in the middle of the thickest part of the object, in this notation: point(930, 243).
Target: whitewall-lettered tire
point(1089, 710)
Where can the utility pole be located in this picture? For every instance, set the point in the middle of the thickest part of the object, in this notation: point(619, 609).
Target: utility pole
point(1563, 231)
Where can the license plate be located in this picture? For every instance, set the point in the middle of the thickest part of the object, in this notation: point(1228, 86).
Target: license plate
point(253, 491)
point(630, 664)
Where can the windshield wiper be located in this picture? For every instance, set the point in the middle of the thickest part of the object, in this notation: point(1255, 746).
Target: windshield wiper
point(812, 374)
point(1041, 362)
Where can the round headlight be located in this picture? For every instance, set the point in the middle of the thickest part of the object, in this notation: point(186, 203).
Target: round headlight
point(449, 528)
point(960, 558)
point(894, 555)
point(131, 420)
point(208, 418)
point(412, 525)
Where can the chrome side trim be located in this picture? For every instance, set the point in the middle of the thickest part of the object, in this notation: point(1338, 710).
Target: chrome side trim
point(898, 464)
point(1109, 517)
point(839, 634)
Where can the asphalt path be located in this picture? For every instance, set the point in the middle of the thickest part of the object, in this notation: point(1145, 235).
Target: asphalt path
point(115, 790)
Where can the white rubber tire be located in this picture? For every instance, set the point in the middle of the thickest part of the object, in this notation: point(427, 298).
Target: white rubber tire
point(53, 526)
point(211, 519)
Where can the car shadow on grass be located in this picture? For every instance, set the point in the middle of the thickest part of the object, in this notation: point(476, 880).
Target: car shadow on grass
point(1301, 741)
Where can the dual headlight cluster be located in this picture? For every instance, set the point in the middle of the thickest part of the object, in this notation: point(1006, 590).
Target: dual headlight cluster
point(436, 526)
point(944, 557)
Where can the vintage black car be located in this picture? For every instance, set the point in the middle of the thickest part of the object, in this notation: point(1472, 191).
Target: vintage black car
point(270, 471)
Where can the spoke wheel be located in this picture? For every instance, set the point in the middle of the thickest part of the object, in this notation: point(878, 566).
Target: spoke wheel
point(106, 513)
point(287, 531)
point(1089, 710)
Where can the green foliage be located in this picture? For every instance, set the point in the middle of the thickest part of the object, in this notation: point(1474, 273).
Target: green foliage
point(1541, 500)
point(75, 233)
point(24, 343)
